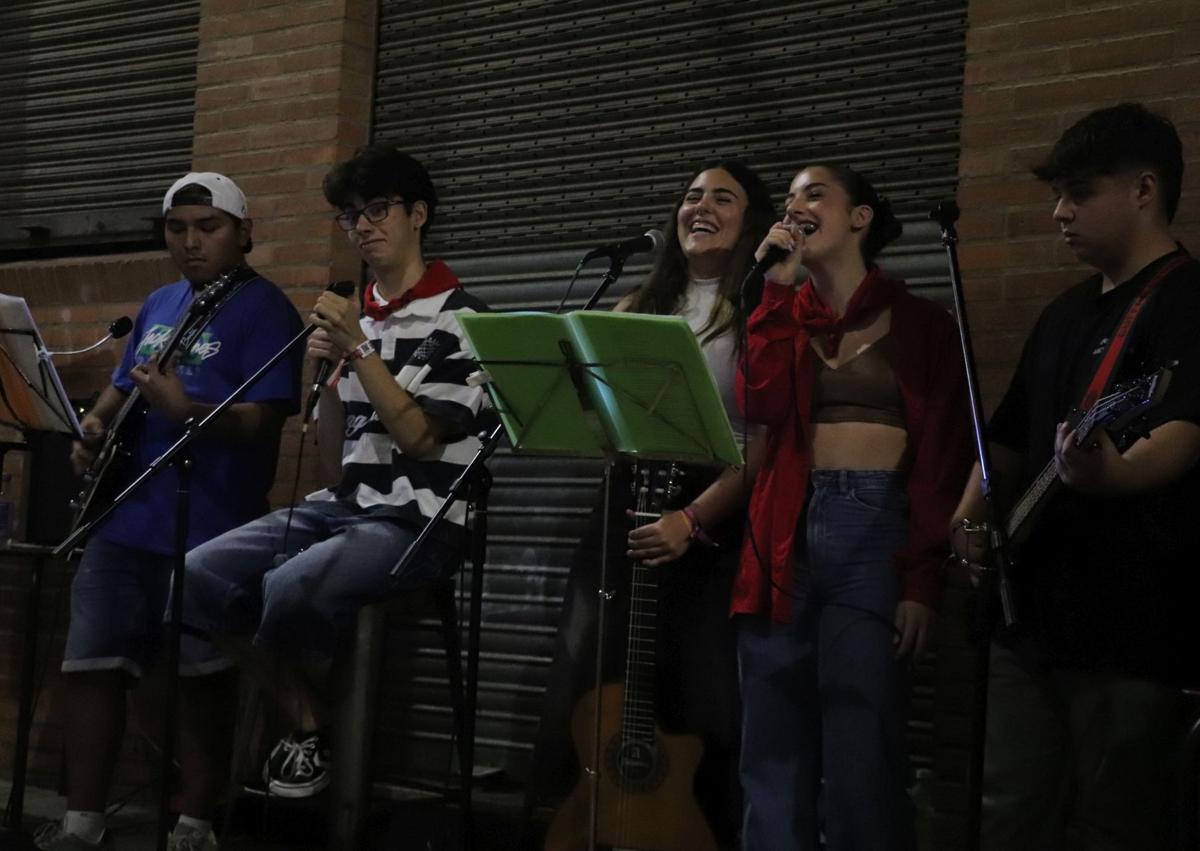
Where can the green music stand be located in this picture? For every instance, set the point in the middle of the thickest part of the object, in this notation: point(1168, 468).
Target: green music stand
point(601, 385)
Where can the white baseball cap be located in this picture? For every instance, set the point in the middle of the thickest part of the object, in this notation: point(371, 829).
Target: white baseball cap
point(225, 193)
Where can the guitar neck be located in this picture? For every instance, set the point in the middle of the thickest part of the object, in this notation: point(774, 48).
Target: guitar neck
point(641, 653)
point(1019, 518)
point(1047, 481)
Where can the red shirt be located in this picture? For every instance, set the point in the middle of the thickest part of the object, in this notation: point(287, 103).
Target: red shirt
point(926, 360)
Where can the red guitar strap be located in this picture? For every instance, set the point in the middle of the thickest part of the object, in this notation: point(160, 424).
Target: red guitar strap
point(1116, 346)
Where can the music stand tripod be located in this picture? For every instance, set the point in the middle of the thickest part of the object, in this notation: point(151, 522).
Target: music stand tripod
point(32, 394)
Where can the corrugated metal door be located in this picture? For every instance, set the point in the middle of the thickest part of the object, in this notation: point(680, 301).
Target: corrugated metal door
point(551, 126)
point(97, 98)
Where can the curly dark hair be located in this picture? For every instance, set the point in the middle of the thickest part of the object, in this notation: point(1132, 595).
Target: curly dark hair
point(668, 280)
point(1114, 139)
point(382, 170)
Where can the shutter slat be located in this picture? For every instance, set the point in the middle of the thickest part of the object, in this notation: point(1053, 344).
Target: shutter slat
point(98, 98)
point(550, 127)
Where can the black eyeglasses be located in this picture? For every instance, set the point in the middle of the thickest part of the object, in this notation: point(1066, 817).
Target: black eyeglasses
point(375, 212)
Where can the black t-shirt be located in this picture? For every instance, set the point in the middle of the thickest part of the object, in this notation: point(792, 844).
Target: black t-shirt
point(1110, 584)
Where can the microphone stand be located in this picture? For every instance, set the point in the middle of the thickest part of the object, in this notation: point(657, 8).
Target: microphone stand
point(616, 264)
point(995, 582)
point(178, 455)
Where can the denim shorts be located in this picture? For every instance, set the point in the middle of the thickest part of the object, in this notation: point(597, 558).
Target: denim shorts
point(118, 598)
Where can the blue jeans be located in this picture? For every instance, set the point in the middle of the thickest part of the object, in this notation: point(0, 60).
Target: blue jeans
point(298, 597)
point(823, 697)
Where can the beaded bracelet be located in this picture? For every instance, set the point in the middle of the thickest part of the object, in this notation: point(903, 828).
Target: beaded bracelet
point(697, 533)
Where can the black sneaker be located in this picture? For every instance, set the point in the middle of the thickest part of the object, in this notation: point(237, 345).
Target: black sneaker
point(298, 766)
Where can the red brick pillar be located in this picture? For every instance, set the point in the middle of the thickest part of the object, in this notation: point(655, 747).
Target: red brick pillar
point(283, 91)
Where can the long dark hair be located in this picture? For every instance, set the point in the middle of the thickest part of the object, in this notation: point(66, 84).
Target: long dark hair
point(668, 280)
point(884, 227)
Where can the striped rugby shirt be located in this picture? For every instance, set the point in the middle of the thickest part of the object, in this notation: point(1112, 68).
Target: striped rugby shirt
point(422, 345)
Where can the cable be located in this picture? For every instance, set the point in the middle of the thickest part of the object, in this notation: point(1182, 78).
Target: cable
point(747, 484)
point(570, 286)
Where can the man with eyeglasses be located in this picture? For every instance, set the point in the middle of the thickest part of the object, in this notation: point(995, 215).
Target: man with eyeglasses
point(396, 426)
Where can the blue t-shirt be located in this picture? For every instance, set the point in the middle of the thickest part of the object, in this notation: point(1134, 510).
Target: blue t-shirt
point(229, 481)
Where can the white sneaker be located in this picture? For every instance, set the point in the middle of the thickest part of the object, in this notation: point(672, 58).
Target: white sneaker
point(191, 839)
point(51, 837)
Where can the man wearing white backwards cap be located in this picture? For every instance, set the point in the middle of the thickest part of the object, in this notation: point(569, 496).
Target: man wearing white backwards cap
point(119, 591)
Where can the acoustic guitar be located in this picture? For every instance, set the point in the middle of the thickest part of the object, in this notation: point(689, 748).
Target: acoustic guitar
point(639, 796)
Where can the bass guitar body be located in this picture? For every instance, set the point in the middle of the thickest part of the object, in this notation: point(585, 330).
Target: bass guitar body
point(645, 778)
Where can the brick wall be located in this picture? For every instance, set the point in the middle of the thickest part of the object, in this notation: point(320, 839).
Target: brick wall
point(1033, 68)
point(283, 92)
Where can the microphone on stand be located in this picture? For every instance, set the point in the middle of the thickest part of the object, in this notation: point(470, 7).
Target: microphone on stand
point(617, 253)
point(651, 241)
point(324, 367)
point(117, 329)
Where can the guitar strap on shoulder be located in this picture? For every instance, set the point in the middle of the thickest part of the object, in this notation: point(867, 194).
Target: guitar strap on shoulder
point(1116, 346)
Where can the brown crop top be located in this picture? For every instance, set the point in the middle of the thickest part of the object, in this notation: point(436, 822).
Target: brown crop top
point(862, 390)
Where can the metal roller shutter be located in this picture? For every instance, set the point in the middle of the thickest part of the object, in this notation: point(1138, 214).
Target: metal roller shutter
point(553, 126)
point(97, 98)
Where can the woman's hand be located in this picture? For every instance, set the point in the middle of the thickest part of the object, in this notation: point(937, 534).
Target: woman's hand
point(914, 623)
point(789, 237)
point(662, 541)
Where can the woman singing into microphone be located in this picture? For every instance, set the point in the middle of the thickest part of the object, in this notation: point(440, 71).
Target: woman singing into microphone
point(860, 386)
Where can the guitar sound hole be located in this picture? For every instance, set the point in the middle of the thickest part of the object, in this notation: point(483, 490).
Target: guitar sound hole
point(638, 766)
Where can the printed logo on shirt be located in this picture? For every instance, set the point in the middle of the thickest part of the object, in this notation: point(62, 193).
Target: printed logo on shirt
point(355, 424)
point(1100, 347)
point(155, 340)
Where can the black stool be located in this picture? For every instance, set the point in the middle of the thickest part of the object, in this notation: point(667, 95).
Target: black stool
point(356, 712)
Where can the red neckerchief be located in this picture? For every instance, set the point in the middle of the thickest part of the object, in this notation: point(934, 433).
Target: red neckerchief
point(437, 279)
point(875, 292)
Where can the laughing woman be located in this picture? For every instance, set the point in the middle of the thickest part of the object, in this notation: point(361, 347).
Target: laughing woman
point(723, 213)
point(860, 387)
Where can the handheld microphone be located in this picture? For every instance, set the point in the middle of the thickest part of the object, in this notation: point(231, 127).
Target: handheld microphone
point(652, 240)
point(117, 329)
point(776, 254)
point(324, 367)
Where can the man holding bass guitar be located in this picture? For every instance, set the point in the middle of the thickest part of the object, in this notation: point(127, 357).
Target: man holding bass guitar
point(1084, 724)
point(166, 377)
